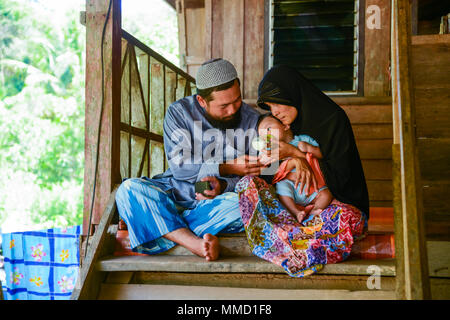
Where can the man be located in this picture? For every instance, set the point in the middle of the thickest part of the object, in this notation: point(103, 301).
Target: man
point(165, 211)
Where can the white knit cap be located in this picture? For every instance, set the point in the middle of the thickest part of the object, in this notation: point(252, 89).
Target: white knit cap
point(215, 72)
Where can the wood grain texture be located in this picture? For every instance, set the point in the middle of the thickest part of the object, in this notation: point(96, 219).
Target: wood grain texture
point(154, 292)
point(254, 280)
point(89, 279)
point(377, 51)
point(415, 277)
point(230, 265)
point(109, 167)
point(253, 58)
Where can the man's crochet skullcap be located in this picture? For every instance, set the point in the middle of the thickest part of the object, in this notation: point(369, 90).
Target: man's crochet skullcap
point(215, 72)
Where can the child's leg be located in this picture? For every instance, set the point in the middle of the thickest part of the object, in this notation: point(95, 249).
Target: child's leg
point(322, 201)
point(291, 206)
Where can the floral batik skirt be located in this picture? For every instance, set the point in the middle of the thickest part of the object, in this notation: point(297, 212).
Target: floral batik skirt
point(300, 248)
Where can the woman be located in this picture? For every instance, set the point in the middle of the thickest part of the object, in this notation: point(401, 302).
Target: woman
point(302, 249)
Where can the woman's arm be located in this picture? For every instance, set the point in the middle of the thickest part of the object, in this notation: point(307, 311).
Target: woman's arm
point(282, 150)
point(308, 148)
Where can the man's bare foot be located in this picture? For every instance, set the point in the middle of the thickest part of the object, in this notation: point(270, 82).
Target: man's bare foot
point(210, 247)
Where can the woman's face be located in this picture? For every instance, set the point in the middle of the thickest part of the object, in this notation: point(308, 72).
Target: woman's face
point(286, 114)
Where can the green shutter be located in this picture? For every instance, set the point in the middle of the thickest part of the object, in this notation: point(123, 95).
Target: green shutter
point(318, 38)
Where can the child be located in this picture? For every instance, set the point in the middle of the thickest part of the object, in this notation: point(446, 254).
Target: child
point(297, 202)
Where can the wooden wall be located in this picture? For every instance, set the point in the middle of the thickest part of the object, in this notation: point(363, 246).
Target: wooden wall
point(234, 30)
point(431, 85)
point(377, 43)
point(229, 29)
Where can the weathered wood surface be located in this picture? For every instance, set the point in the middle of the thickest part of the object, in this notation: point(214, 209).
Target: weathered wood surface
point(229, 265)
point(414, 274)
point(234, 30)
point(377, 45)
point(89, 279)
point(108, 169)
point(430, 65)
point(148, 88)
point(432, 109)
point(375, 149)
point(156, 292)
point(440, 289)
point(251, 280)
point(191, 26)
point(253, 58)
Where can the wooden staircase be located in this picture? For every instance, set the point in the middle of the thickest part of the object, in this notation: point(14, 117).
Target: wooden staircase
point(178, 274)
point(233, 277)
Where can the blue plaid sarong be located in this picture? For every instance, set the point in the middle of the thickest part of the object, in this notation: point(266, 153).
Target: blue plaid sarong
point(150, 213)
point(41, 265)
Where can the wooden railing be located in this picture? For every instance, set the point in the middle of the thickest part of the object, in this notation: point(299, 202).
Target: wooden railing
point(149, 84)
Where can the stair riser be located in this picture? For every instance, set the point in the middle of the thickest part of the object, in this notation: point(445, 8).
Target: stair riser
point(250, 280)
point(169, 292)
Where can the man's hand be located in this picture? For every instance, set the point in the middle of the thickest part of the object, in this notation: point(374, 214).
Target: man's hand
point(217, 185)
point(242, 166)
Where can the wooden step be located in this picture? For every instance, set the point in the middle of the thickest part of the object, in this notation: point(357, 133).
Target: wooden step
point(379, 244)
point(374, 246)
point(173, 292)
point(250, 280)
point(194, 264)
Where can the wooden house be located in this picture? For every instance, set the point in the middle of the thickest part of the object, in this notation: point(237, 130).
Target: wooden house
point(383, 61)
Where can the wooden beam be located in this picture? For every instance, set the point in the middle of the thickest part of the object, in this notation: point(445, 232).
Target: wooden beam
point(89, 280)
point(108, 165)
point(409, 208)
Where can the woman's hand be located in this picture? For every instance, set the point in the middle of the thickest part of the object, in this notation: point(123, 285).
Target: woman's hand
point(306, 147)
point(281, 150)
point(217, 187)
point(303, 174)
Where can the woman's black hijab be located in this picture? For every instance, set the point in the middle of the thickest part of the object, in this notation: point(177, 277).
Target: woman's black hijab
point(327, 123)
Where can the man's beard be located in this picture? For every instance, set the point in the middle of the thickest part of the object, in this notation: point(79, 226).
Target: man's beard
point(225, 124)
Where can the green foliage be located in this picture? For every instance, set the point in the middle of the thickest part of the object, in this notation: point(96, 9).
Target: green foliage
point(156, 27)
point(41, 116)
point(42, 85)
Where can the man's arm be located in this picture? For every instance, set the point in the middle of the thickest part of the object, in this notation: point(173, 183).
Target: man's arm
point(180, 151)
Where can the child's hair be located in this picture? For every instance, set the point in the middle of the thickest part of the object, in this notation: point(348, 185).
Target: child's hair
point(264, 116)
point(286, 133)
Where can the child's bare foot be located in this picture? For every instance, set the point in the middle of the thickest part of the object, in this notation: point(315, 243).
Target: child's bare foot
point(300, 215)
point(210, 247)
point(316, 212)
